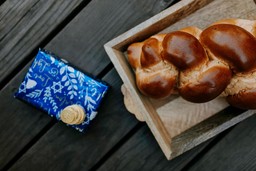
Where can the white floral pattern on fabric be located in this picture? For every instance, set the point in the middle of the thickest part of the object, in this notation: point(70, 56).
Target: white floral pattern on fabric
point(52, 84)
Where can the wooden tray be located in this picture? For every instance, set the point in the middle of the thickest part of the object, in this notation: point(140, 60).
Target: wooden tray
point(177, 124)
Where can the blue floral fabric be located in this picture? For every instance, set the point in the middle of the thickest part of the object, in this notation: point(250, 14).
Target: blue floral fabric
point(52, 84)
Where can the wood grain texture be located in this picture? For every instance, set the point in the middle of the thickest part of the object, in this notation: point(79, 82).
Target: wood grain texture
point(208, 129)
point(30, 121)
point(116, 50)
point(180, 115)
point(169, 119)
point(19, 123)
point(98, 23)
point(141, 152)
point(63, 148)
point(217, 10)
point(235, 152)
point(156, 23)
point(130, 104)
point(214, 11)
point(24, 25)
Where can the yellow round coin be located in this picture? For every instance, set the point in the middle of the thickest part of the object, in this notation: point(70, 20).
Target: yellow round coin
point(73, 115)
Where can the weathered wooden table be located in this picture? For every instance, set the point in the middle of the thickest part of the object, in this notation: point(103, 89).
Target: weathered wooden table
point(77, 30)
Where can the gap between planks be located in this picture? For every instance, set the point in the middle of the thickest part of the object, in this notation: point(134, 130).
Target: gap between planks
point(216, 139)
point(29, 57)
point(30, 144)
point(43, 43)
point(52, 123)
point(26, 60)
point(130, 134)
point(104, 72)
point(2, 1)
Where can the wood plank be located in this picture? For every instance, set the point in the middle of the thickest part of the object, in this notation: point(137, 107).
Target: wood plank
point(19, 124)
point(24, 25)
point(63, 148)
point(236, 151)
point(142, 152)
point(29, 121)
point(98, 23)
point(172, 120)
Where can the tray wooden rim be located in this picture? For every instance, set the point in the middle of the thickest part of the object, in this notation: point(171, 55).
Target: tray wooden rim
point(115, 48)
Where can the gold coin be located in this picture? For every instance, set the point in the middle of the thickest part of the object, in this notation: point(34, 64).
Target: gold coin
point(73, 115)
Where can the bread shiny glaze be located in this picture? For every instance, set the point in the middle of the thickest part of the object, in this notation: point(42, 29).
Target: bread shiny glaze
point(234, 41)
point(201, 64)
point(233, 44)
point(200, 78)
point(154, 77)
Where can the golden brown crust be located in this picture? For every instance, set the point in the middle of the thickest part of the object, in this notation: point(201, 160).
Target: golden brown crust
point(150, 53)
point(183, 50)
point(134, 52)
point(156, 85)
point(233, 44)
point(234, 41)
point(200, 78)
point(245, 99)
point(249, 25)
point(154, 77)
point(209, 84)
point(201, 64)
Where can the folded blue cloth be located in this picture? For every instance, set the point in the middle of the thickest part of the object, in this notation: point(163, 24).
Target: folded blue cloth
point(52, 84)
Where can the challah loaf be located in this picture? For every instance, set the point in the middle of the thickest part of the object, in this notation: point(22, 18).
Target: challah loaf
point(199, 64)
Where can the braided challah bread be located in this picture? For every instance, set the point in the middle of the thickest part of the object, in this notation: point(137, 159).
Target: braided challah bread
point(199, 64)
